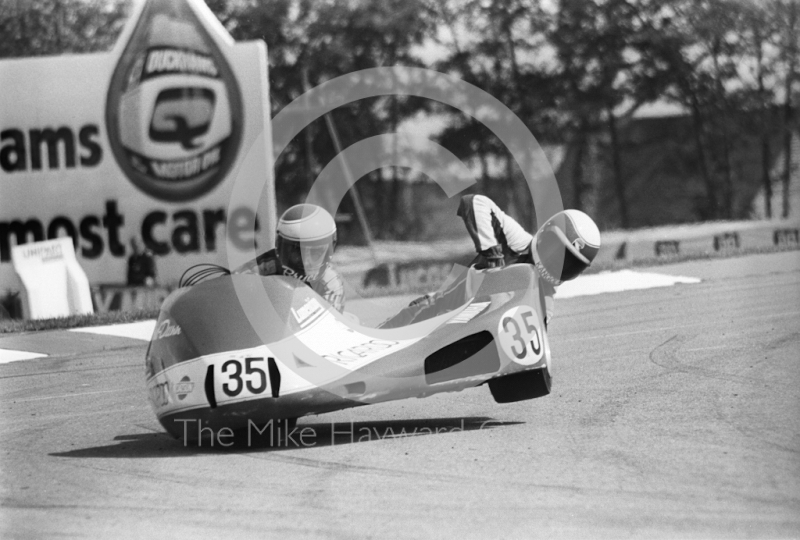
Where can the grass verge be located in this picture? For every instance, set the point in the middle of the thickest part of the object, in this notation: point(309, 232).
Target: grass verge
point(8, 326)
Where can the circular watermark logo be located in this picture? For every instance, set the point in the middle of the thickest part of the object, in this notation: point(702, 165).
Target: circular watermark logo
point(330, 187)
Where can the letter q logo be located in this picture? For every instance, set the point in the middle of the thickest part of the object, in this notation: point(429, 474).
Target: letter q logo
point(174, 111)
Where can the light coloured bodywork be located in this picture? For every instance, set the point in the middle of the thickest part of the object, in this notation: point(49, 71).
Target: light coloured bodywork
point(207, 364)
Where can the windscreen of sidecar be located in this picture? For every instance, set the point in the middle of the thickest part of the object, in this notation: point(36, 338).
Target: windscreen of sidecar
point(266, 264)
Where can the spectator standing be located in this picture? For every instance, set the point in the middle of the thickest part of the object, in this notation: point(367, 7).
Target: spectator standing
point(141, 267)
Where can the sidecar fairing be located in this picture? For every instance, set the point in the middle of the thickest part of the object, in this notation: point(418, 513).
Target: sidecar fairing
point(213, 363)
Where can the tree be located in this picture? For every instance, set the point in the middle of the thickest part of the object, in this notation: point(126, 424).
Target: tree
point(310, 42)
point(595, 42)
point(50, 27)
point(692, 60)
point(497, 46)
point(787, 16)
point(757, 32)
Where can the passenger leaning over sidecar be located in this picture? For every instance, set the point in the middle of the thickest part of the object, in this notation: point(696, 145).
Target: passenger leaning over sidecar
point(562, 249)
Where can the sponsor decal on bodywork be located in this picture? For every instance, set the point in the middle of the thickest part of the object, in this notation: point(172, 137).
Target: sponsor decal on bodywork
point(159, 394)
point(335, 341)
point(184, 388)
point(308, 312)
point(166, 329)
point(469, 313)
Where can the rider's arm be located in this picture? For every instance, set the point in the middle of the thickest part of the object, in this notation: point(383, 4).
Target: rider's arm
point(330, 286)
point(547, 292)
point(491, 229)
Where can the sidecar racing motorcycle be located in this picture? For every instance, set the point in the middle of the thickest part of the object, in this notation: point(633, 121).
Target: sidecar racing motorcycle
point(242, 348)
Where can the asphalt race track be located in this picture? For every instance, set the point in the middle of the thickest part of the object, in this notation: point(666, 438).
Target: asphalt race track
point(675, 413)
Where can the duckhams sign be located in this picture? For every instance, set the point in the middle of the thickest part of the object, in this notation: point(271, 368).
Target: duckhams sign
point(142, 143)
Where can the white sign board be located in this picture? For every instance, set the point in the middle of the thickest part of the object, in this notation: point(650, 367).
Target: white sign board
point(54, 283)
point(142, 143)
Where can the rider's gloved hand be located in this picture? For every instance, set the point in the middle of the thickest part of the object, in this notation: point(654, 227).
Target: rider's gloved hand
point(426, 300)
point(549, 309)
point(494, 257)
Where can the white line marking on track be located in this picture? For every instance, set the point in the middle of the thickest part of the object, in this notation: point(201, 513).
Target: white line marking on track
point(7, 355)
point(623, 280)
point(138, 330)
point(24, 400)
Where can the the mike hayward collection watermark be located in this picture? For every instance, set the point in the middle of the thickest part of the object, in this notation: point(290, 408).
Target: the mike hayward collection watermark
point(280, 434)
point(412, 151)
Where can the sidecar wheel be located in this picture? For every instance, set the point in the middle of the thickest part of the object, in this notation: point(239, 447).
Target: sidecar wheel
point(521, 386)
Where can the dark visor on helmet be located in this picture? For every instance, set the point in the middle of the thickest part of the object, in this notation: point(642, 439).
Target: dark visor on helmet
point(304, 257)
point(556, 254)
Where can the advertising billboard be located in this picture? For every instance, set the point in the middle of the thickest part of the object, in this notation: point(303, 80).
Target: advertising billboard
point(139, 144)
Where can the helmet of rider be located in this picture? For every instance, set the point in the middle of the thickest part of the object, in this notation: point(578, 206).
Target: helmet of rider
point(565, 246)
point(306, 239)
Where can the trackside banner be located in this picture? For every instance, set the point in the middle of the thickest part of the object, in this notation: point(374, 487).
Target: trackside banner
point(142, 143)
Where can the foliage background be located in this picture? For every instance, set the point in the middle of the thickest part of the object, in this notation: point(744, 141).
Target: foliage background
point(577, 72)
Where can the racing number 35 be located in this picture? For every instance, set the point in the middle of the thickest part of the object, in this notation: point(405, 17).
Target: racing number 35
point(255, 378)
point(520, 336)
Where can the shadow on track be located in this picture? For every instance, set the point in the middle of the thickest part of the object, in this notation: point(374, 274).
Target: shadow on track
point(161, 445)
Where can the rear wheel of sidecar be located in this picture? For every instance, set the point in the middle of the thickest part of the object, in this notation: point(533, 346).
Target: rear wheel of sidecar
point(521, 386)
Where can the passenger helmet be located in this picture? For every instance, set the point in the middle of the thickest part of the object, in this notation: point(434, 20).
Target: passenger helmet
point(565, 246)
point(306, 238)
